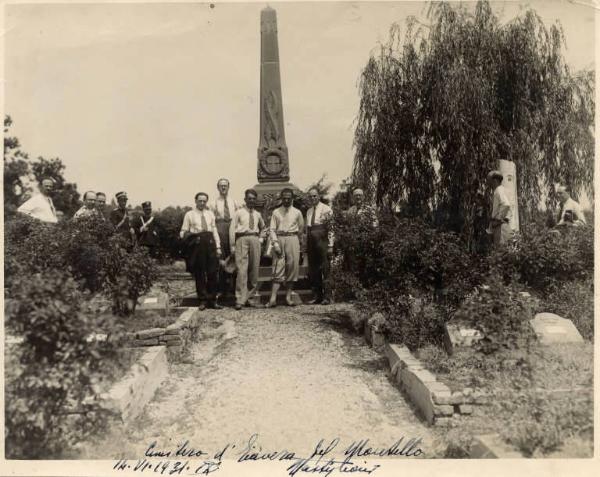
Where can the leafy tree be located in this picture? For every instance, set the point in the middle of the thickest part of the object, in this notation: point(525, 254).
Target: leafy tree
point(441, 104)
point(16, 170)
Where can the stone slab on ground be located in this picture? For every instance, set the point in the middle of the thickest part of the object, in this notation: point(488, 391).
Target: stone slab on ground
point(457, 335)
point(129, 396)
point(153, 301)
point(491, 446)
point(551, 328)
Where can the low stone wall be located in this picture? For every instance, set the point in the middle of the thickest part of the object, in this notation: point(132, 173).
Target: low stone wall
point(434, 400)
point(128, 397)
point(175, 337)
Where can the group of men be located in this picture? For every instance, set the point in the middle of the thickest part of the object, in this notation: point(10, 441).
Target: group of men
point(570, 214)
point(224, 232)
point(142, 229)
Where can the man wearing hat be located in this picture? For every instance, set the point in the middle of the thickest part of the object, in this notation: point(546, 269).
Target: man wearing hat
point(499, 226)
point(120, 218)
point(245, 232)
point(146, 229)
point(224, 207)
point(203, 249)
point(40, 206)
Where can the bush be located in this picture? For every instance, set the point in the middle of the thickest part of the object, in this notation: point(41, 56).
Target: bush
point(542, 257)
point(399, 261)
point(170, 220)
point(574, 301)
point(129, 274)
point(52, 392)
point(501, 314)
point(86, 248)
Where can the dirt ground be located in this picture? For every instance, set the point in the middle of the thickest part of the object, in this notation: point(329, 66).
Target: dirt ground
point(291, 376)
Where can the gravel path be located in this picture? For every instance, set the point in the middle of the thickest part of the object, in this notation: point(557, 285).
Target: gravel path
point(291, 375)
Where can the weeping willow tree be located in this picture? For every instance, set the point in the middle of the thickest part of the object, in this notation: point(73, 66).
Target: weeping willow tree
point(442, 103)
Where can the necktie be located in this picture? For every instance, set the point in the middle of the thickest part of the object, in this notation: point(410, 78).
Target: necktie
point(226, 210)
point(251, 220)
point(203, 222)
point(52, 206)
point(312, 219)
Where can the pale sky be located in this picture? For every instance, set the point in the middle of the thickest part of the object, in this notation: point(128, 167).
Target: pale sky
point(161, 100)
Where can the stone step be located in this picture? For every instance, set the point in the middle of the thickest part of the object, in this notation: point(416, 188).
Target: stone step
point(264, 274)
point(299, 296)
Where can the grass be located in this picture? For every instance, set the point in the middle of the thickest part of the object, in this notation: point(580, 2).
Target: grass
point(541, 399)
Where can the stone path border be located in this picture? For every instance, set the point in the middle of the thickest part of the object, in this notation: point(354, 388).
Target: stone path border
point(176, 337)
point(434, 400)
point(129, 396)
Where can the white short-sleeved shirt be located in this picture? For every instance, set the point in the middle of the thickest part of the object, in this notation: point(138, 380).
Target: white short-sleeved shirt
point(40, 207)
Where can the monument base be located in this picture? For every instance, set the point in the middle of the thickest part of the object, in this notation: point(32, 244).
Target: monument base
point(268, 192)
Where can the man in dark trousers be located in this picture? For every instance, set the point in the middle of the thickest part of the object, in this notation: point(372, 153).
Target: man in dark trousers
point(202, 250)
point(119, 217)
point(146, 229)
point(319, 245)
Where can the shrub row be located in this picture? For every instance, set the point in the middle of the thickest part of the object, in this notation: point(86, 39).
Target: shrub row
point(420, 277)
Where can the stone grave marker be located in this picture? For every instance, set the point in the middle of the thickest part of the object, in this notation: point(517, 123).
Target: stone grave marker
point(155, 301)
point(551, 328)
point(459, 335)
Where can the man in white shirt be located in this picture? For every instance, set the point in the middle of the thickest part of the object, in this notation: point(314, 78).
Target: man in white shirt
point(286, 226)
point(88, 209)
point(570, 213)
point(245, 236)
point(319, 245)
point(224, 207)
point(101, 204)
point(40, 206)
point(203, 249)
point(499, 226)
point(360, 209)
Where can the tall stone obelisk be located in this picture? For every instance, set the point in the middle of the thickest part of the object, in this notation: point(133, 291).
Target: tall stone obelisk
point(273, 170)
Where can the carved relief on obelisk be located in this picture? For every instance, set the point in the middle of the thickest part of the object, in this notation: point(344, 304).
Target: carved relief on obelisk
point(273, 164)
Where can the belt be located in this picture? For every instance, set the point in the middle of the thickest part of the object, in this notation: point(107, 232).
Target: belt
point(245, 234)
point(222, 220)
point(317, 227)
point(286, 234)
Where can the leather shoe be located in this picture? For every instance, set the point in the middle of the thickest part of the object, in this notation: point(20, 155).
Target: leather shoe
point(316, 301)
point(238, 306)
point(325, 302)
point(201, 306)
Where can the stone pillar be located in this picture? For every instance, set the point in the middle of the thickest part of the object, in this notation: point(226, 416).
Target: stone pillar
point(273, 170)
point(509, 171)
point(273, 164)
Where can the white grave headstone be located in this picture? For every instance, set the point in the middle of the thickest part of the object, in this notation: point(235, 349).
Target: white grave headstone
point(509, 171)
point(551, 328)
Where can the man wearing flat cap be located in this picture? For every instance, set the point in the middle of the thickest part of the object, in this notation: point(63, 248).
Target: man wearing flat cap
point(499, 226)
point(119, 217)
point(146, 229)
